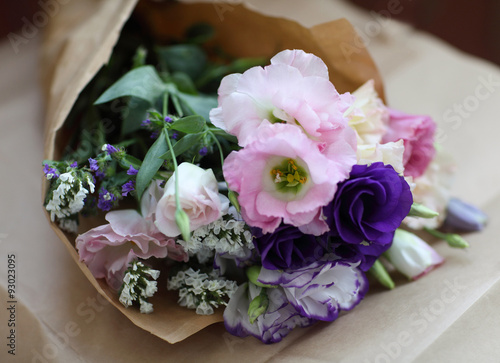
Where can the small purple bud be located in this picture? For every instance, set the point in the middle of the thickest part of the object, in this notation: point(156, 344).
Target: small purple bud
point(203, 151)
point(50, 172)
point(74, 165)
point(132, 171)
point(146, 123)
point(175, 135)
point(93, 165)
point(168, 120)
point(127, 187)
point(111, 149)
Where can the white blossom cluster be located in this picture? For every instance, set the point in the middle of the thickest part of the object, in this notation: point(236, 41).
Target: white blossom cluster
point(225, 235)
point(201, 291)
point(68, 197)
point(68, 225)
point(137, 286)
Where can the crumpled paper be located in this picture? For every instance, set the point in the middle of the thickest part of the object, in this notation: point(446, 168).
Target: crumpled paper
point(79, 42)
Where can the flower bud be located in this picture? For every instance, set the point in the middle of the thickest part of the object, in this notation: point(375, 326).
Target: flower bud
point(253, 273)
point(233, 198)
point(411, 255)
point(258, 306)
point(419, 210)
point(380, 273)
point(463, 217)
point(182, 220)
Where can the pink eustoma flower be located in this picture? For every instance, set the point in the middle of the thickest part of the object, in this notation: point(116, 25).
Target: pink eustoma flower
point(294, 89)
point(417, 132)
point(107, 250)
point(282, 176)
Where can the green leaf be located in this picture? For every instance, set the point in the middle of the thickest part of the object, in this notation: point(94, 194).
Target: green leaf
point(189, 124)
point(128, 160)
point(182, 145)
point(184, 83)
point(199, 104)
point(142, 82)
point(151, 164)
point(186, 58)
point(134, 114)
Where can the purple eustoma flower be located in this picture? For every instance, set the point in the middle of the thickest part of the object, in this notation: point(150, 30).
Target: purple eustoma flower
point(367, 209)
point(270, 327)
point(322, 289)
point(286, 248)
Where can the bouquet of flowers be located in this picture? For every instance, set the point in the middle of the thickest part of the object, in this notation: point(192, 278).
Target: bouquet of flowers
point(273, 199)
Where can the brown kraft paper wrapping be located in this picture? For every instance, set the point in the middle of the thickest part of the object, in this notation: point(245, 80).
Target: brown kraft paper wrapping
point(80, 41)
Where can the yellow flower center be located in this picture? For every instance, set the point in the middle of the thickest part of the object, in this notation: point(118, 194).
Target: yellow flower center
point(288, 174)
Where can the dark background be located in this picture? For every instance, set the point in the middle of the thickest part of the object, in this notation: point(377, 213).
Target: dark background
point(473, 26)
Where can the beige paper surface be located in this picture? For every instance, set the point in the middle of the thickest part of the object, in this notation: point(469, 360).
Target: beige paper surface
point(241, 33)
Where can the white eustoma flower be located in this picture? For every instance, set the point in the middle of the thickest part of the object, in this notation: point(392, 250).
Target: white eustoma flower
point(369, 116)
point(389, 153)
point(411, 255)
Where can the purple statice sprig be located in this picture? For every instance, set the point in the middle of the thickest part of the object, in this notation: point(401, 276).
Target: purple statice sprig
point(128, 187)
point(156, 122)
point(50, 172)
point(108, 199)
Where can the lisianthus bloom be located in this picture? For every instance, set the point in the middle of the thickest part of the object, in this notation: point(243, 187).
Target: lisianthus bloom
point(286, 248)
point(275, 323)
point(417, 132)
point(367, 209)
point(107, 250)
point(321, 289)
point(369, 117)
point(282, 176)
point(389, 153)
point(411, 255)
point(199, 198)
point(294, 89)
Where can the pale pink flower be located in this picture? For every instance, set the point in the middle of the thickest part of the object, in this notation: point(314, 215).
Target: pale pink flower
point(199, 198)
point(294, 89)
point(282, 175)
point(107, 250)
point(417, 132)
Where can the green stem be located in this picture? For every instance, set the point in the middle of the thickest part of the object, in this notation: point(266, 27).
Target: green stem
point(435, 233)
point(454, 240)
point(218, 146)
point(174, 160)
